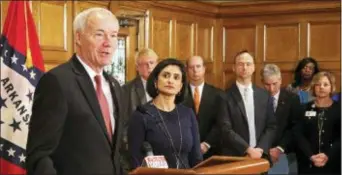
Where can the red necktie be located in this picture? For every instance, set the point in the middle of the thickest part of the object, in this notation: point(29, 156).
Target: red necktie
point(104, 106)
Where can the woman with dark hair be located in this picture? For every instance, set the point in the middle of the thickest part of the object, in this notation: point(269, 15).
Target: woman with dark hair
point(304, 72)
point(318, 132)
point(167, 125)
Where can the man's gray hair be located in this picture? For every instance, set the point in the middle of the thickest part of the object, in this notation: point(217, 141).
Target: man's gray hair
point(270, 70)
point(81, 18)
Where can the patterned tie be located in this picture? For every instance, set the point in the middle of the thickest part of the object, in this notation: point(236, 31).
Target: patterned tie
point(104, 106)
point(196, 99)
point(274, 103)
point(245, 94)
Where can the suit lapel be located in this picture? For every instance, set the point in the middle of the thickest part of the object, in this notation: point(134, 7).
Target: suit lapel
point(281, 103)
point(189, 101)
point(204, 99)
point(139, 89)
point(88, 91)
point(116, 98)
point(257, 110)
point(239, 101)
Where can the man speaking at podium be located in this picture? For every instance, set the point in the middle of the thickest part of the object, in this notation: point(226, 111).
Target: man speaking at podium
point(76, 126)
point(246, 118)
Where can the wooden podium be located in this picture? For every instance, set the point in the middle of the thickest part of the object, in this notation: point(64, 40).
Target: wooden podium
point(215, 165)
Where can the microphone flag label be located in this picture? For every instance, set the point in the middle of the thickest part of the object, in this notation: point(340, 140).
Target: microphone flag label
point(156, 162)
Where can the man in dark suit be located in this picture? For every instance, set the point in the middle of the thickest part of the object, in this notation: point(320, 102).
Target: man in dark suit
point(136, 94)
point(203, 98)
point(286, 106)
point(135, 90)
point(246, 117)
point(75, 126)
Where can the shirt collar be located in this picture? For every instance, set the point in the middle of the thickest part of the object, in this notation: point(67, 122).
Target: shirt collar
point(276, 96)
point(200, 87)
point(89, 70)
point(144, 82)
point(241, 86)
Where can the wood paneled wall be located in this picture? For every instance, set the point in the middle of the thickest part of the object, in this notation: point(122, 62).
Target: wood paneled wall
point(283, 33)
point(275, 32)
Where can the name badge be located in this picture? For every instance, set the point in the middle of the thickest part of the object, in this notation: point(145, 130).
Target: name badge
point(310, 114)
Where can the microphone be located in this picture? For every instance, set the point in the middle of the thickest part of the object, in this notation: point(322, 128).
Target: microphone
point(147, 148)
point(152, 161)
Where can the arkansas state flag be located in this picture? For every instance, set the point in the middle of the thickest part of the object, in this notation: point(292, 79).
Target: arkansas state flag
point(21, 67)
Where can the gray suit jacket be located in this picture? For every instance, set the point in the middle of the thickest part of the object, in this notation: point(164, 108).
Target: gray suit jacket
point(135, 95)
point(232, 121)
point(135, 92)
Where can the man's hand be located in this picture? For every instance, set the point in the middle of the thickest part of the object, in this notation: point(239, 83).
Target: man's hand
point(275, 153)
point(319, 160)
point(254, 153)
point(260, 150)
point(204, 148)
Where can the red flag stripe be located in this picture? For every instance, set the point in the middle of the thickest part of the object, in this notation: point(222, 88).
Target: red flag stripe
point(37, 58)
point(9, 168)
point(10, 15)
point(16, 28)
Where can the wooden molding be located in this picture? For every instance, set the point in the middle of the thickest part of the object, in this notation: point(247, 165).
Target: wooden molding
point(192, 7)
point(279, 7)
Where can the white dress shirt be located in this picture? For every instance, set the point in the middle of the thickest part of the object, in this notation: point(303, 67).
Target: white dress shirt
point(105, 89)
point(248, 100)
point(148, 97)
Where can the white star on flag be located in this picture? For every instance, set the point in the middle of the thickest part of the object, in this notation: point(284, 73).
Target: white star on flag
point(11, 152)
point(14, 59)
point(22, 158)
point(24, 67)
point(32, 75)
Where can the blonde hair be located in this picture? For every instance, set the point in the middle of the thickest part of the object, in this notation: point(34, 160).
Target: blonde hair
point(145, 52)
point(318, 76)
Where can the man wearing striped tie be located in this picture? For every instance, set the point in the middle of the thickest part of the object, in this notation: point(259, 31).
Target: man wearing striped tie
point(286, 107)
point(202, 98)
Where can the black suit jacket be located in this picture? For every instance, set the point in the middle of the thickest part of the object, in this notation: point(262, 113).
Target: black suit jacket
point(206, 116)
point(287, 114)
point(232, 120)
point(67, 133)
point(307, 138)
